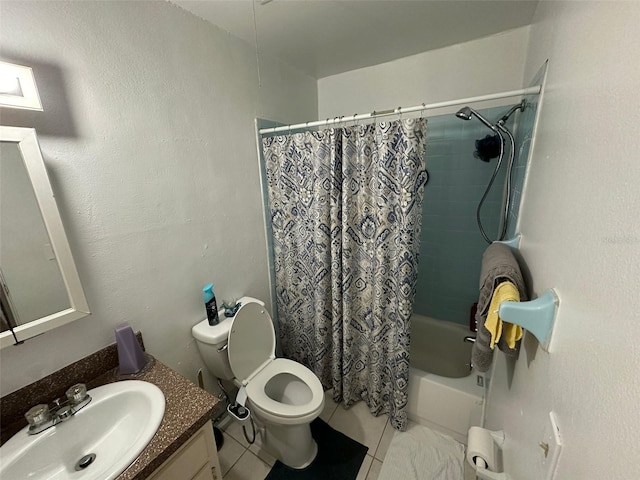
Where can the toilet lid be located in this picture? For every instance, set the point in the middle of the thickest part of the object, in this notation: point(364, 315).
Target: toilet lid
point(252, 341)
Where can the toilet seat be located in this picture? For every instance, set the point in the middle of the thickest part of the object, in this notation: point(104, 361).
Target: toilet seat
point(251, 349)
point(286, 412)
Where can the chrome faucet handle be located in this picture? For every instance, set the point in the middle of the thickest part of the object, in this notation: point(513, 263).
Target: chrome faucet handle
point(38, 417)
point(77, 393)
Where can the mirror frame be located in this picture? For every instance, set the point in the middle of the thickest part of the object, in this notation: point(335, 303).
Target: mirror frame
point(28, 146)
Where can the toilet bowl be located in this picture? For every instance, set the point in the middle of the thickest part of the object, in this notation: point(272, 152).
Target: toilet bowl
point(283, 396)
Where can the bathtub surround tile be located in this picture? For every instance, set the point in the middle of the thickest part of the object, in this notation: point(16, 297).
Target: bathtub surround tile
point(456, 183)
point(385, 440)
point(359, 424)
point(248, 467)
point(229, 454)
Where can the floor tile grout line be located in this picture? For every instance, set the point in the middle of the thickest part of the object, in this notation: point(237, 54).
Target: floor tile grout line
point(370, 465)
point(335, 409)
point(234, 464)
point(380, 439)
point(240, 457)
point(237, 459)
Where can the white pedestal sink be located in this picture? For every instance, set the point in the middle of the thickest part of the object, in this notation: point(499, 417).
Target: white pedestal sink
point(115, 426)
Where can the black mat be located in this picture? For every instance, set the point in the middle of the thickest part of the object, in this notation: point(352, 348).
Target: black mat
point(339, 457)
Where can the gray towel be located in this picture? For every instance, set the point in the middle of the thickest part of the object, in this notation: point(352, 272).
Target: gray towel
point(498, 265)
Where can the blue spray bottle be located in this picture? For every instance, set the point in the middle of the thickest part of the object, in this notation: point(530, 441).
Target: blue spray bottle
point(211, 305)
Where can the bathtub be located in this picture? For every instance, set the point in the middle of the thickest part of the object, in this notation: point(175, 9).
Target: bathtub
point(443, 390)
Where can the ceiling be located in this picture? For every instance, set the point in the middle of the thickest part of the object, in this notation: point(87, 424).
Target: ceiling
point(326, 37)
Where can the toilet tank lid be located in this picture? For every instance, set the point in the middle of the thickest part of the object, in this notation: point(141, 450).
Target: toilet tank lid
point(212, 335)
point(218, 334)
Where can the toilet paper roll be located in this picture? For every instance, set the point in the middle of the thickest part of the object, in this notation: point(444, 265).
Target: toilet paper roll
point(480, 444)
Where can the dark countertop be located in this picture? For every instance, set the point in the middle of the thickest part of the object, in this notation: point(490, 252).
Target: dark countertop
point(187, 409)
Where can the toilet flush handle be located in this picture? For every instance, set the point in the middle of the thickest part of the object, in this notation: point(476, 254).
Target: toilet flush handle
point(224, 347)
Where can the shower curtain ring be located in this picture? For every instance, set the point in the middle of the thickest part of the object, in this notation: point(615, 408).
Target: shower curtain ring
point(355, 120)
point(423, 109)
point(400, 113)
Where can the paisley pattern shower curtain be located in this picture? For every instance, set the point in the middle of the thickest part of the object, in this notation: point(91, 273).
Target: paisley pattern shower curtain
point(346, 211)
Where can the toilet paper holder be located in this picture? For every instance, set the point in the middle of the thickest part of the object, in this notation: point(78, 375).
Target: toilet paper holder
point(492, 440)
point(484, 474)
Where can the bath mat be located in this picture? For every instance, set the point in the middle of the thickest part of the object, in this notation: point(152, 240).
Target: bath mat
point(423, 454)
point(339, 457)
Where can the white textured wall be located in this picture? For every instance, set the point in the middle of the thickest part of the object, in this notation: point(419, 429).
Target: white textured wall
point(489, 65)
point(581, 235)
point(149, 138)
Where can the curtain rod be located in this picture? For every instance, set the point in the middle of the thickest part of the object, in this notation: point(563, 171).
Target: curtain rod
point(400, 110)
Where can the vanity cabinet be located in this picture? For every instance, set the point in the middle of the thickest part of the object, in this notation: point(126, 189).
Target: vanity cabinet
point(197, 459)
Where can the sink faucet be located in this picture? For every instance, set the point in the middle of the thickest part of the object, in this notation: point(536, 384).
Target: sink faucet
point(43, 416)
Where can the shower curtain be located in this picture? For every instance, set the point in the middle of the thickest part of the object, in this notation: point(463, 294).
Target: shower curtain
point(346, 213)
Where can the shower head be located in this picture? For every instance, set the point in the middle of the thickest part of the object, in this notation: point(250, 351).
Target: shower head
point(465, 113)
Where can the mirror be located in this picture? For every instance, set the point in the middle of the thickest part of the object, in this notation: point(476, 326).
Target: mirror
point(40, 288)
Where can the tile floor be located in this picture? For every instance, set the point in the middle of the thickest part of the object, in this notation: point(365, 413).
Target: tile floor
point(239, 461)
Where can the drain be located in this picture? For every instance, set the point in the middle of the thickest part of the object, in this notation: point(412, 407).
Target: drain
point(85, 461)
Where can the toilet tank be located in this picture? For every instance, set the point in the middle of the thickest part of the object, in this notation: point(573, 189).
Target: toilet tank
point(212, 344)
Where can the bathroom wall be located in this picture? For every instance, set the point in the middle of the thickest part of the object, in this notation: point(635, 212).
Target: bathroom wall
point(148, 135)
point(488, 65)
point(581, 236)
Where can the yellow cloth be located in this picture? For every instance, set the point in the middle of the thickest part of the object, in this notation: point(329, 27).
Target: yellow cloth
point(505, 292)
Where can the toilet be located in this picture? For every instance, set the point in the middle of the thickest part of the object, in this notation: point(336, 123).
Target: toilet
point(283, 396)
